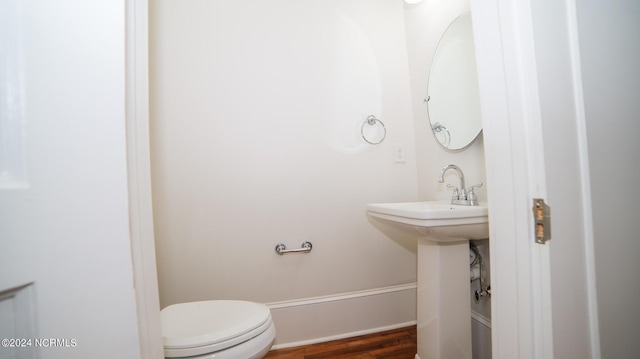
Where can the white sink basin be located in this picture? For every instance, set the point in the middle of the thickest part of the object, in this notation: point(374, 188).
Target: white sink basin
point(437, 221)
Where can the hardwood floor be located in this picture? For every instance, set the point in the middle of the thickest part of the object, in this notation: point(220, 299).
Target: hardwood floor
point(396, 344)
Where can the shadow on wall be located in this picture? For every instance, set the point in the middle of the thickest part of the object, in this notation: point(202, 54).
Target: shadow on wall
point(400, 237)
point(255, 138)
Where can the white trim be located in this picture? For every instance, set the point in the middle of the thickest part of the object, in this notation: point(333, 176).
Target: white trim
point(20, 302)
point(139, 177)
point(583, 157)
point(341, 296)
point(521, 301)
point(343, 336)
point(13, 122)
point(481, 319)
point(362, 312)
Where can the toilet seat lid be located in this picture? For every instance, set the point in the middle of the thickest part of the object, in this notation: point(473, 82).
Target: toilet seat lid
point(192, 324)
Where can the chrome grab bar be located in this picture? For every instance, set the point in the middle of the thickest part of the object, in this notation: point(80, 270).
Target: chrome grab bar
point(282, 249)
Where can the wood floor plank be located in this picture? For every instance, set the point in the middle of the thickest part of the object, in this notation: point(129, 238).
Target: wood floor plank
point(396, 344)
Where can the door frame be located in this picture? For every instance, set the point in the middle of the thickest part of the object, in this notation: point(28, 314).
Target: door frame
point(514, 156)
point(139, 179)
point(521, 301)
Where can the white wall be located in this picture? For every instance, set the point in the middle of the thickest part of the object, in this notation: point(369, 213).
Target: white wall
point(610, 53)
point(67, 233)
point(425, 24)
point(256, 111)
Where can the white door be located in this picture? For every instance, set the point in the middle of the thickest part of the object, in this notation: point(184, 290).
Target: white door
point(543, 298)
point(515, 175)
point(66, 277)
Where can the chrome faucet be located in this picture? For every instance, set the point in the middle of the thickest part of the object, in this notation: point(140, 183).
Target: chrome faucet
point(460, 196)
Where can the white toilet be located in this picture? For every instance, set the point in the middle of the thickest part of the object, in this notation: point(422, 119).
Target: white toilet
point(217, 329)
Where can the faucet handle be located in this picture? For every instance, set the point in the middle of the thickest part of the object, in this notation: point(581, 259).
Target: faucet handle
point(456, 192)
point(474, 186)
point(473, 200)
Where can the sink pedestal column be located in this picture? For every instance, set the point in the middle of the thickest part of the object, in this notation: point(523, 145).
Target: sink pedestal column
point(444, 307)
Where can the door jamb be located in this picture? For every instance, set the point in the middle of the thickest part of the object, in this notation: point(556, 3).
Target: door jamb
point(521, 300)
point(139, 179)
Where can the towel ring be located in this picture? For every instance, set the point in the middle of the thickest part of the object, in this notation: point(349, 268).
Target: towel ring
point(438, 128)
point(373, 121)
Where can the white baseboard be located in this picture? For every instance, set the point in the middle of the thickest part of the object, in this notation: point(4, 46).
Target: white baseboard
point(481, 336)
point(341, 336)
point(481, 319)
point(320, 319)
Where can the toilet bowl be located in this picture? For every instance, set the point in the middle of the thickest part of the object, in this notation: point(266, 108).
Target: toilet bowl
point(220, 329)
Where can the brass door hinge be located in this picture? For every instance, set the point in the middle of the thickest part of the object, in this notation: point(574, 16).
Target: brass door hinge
point(541, 221)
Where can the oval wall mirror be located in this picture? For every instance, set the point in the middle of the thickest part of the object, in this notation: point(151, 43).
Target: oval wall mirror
point(453, 98)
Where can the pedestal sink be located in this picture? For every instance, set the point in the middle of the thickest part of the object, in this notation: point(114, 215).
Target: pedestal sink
point(443, 232)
